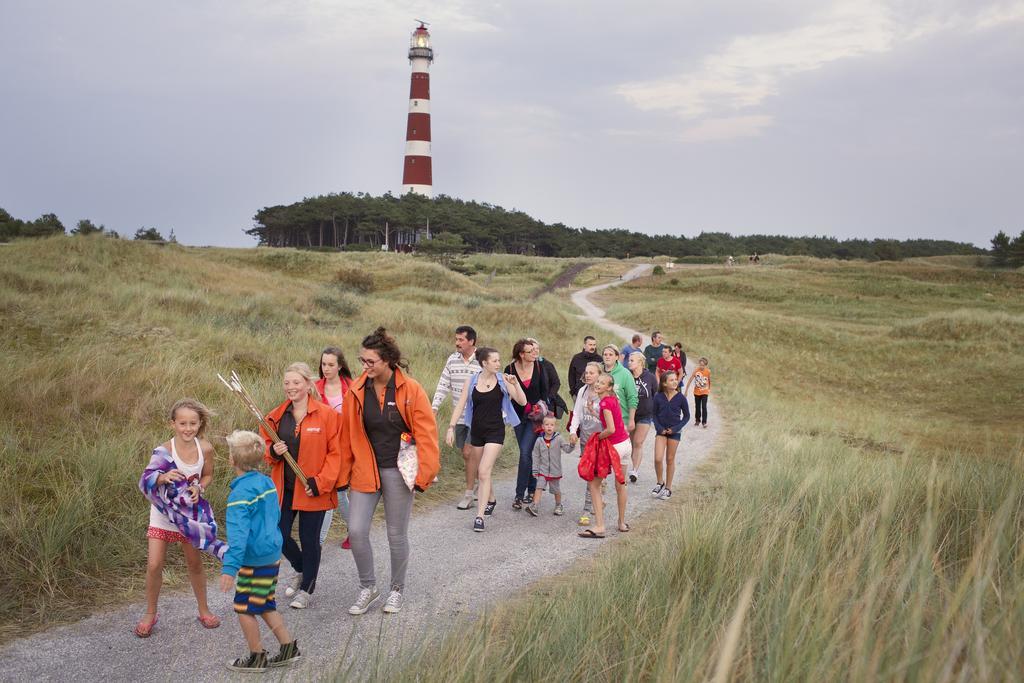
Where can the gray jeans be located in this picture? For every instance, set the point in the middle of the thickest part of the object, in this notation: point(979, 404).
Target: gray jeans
point(397, 510)
point(329, 515)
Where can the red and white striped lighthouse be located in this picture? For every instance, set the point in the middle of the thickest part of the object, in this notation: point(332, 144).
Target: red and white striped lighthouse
point(418, 176)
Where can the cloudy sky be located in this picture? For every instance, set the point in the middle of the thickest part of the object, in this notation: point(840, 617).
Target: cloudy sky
point(852, 118)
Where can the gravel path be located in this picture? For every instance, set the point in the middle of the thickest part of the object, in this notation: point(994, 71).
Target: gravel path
point(452, 572)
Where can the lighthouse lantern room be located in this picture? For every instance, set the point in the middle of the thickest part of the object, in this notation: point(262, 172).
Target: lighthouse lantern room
point(418, 174)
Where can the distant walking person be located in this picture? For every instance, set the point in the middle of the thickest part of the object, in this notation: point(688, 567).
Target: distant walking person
point(578, 365)
point(458, 369)
point(671, 413)
point(335, 379)
point(668, 363)
point(652, 352)
point(487, 404)
point(530, 375)
point(701, 381)
point(309, 431)
point(629, 349)
point(615, 432)
point(385, 411)
point(646, 387)
point(585, 423)
point(554, 401)
point(677, 351)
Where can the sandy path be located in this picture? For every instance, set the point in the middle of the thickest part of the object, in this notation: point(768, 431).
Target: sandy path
point(452, 572)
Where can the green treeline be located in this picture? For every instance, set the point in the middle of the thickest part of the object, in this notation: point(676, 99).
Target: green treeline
point(357, 221)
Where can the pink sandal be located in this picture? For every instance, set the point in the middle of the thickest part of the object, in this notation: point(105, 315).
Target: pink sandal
point(144, 628)
point(209, 621)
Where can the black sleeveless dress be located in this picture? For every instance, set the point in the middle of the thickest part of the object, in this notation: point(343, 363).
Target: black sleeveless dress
point(488, 425)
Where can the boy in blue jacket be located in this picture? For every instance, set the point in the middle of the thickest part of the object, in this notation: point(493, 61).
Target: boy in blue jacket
point(254, 554)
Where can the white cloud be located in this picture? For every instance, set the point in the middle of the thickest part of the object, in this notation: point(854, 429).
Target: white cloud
point(726, 85)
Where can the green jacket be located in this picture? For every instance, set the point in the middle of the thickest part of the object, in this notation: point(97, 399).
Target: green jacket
point(625, 389)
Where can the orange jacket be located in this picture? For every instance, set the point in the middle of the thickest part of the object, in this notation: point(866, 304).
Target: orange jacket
point(358, 463)
point(318, 456)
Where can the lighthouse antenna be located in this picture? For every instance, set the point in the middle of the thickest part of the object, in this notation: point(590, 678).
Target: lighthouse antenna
point(423, 24)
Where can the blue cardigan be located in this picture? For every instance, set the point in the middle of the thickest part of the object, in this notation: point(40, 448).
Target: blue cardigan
point(508, 413)
point(672, 414)
point(254, 512)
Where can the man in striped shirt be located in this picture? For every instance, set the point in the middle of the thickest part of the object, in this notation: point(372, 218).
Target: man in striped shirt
point(459, 367)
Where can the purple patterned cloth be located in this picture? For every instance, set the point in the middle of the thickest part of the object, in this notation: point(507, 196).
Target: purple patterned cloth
point(194, 520)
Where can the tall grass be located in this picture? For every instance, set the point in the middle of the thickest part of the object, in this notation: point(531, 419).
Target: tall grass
point(102, 336)
point(851, 527)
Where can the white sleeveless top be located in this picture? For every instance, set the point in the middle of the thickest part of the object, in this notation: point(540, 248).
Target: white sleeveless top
point(192, 472)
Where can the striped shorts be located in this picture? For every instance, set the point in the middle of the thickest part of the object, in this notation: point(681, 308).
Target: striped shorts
point(254, 589)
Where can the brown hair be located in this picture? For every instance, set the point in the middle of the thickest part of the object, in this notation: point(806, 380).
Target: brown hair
point(664, 376)
point(343, 369)
point(202, 411)
point(386, 347)
point(519, 347)
point(484, 353)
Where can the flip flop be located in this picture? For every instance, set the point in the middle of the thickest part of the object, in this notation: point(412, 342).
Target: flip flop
point(622, 531)
point(209, 621)
point(144, 628)
point(589, 533)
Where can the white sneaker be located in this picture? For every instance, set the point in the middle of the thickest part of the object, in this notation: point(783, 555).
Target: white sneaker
point(363, 602)
point(393, 605)
point(632, 476)
point(292, 586)
point(301, 600)
point(656, 491)
point(665, 494)
point(467, 500)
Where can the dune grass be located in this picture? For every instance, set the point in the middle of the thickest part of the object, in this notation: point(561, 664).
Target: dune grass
point(861, 521)
point(101, 336)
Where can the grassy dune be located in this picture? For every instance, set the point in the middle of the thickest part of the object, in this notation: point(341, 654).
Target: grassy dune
point(862, 520)
point(101, 336)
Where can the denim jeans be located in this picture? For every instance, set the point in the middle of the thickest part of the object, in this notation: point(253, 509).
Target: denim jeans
point(329, 515)
point(526, 436)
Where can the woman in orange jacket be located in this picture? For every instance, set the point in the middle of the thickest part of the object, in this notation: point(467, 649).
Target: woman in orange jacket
point(309, 430)
point(383, 409)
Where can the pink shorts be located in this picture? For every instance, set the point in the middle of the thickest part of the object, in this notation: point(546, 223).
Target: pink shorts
point(165, 535)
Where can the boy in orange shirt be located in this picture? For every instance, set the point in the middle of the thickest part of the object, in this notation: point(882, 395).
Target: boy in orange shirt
point(701, 381)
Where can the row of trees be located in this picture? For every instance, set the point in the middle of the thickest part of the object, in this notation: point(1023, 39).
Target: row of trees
point(48, 224)
point(346, 221)
point(1007, 251)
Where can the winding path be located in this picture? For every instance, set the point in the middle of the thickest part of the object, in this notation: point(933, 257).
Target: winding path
point(453, 572)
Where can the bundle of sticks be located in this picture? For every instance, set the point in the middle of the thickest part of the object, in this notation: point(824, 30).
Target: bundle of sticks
point(235, 387)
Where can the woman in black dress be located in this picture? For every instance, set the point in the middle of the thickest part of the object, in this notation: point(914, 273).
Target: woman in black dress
point(488, 403)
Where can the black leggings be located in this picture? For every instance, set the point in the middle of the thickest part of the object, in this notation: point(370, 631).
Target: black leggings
point(307, 559)
point(700, 409)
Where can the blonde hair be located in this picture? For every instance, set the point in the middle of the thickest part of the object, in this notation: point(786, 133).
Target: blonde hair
point(637, 354)
point(202, 411)
point(301, 368)
point(613, 347)
point(245, 449)
point(611, 380)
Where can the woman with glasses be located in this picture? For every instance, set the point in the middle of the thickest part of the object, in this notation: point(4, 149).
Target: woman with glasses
point(529, 374)
point(384, 411)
